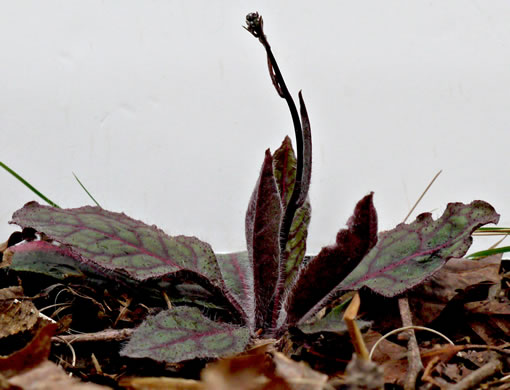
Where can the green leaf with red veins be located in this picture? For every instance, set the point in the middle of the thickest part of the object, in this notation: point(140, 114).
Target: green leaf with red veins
point(410, 253)
point(284, 164)
point(117, 242)
point(184, 333)
point(238, 277)
point(295, 250)
point(263, 219)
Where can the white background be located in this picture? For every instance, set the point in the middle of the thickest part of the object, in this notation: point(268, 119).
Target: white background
point(164, 108)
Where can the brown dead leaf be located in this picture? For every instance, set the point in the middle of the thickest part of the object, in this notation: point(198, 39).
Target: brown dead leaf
point(429, 299)
point(36, 351)
point(161, 383)
point(48, 376)
point(16, 314)
point(392, 357)
point(298, 374)
point(489, 307)
point(254, 370)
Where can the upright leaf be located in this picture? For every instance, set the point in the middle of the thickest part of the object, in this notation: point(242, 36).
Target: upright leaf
point(183, 333)
point(237, 275)
point(295, 250)
point(333, 263)
point(284, 165)
point(285, 174)
point(307, 152)
point(263, 219)
point(410, 253)
point(117, 242)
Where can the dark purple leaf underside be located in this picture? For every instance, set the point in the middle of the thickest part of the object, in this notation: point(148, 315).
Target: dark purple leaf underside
point(183, 333)
point(237, 275)
point(114, 241)
point(284, 165)
point(408, 254)
point(333, 263)
point(263, 219)
point(307, 152)
point(41, 257)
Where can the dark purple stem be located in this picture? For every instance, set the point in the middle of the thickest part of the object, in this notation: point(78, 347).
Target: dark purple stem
point(255, 27)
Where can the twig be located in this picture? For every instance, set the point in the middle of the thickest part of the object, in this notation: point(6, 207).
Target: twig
point(413, 357)
point(472, 380)
point(349, 317)
point(104, 335)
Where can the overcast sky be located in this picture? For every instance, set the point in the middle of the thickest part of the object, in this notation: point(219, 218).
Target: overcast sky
point(164, 108)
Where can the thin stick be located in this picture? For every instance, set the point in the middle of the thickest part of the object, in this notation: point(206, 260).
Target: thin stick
point(472, 380)
point(414, 358)
point(422, 195)
point(104, 335)
point(349, 317)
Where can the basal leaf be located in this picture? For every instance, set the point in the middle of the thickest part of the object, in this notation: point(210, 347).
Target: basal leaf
point(263, 219)
point(117, 242)
point(41, 257)
point(183, 333)
point(410, 253)
point(333, 263)
point(237, 275)
point(331, 322)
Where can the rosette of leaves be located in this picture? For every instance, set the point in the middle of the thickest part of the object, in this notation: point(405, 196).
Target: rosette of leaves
point(268, 288)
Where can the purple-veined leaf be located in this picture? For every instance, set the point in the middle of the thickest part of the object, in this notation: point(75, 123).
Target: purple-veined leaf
point(114, 241)
point(44, 258)
point(410, 253)
point(184, 333)
point(237, 275)
point(263, 220)
point(333, 263)
point(296, 245)
point(284, 165)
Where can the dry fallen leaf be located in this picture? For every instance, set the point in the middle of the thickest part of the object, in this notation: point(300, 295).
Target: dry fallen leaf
point(429, 299)
point(36, 351)
point(49, 376)
point(16, 314)
point(160, 383)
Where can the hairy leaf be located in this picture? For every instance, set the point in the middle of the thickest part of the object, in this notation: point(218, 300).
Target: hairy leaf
point(410, 253)
point(333, 263)
point(41, 257)
point(284, 165)
point(183, 333)
point(296, 245)
point(117, 242)
point(263, 219)
point(238, 278)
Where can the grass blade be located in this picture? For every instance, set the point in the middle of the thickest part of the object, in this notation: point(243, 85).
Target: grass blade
point(88, 193)
point(489, 252)
point(28, 185)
